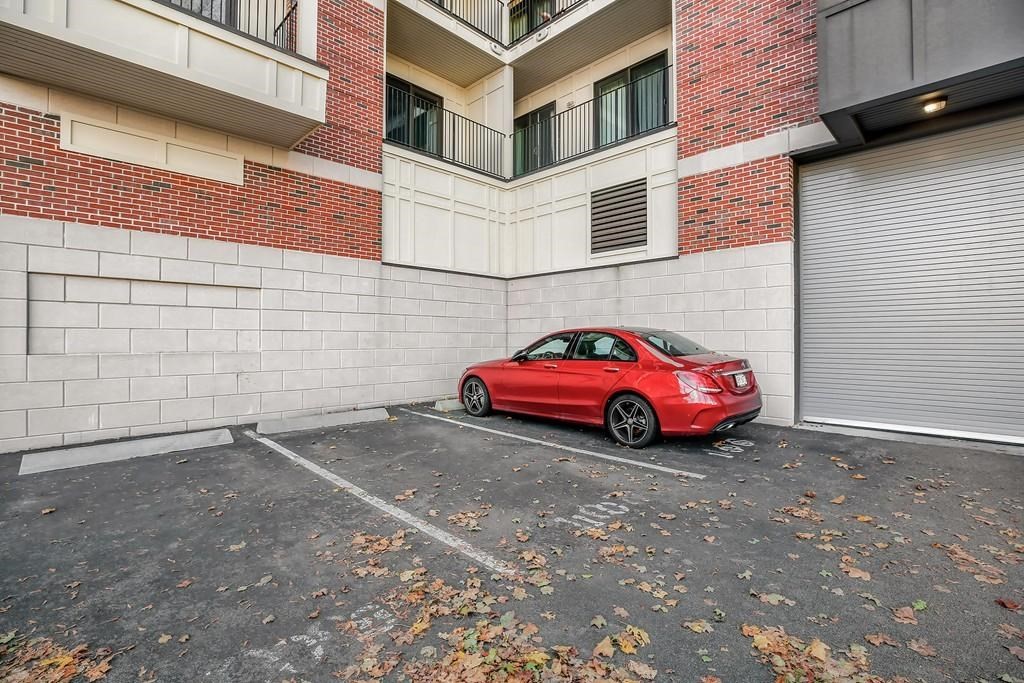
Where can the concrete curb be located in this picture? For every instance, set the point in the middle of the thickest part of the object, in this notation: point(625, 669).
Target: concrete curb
point(449, 405)
point(298, 424)
point(66, 458)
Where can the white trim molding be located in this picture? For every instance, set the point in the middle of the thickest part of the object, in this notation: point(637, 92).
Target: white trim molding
point(788, 141)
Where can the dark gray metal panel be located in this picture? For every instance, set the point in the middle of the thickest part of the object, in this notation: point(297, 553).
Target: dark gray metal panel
point(912, 285)
point(875, 52)
point(618, 217)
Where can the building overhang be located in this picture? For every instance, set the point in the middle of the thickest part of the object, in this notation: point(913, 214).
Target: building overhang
point(899, 68)
point(583, 36)
point(155, 58)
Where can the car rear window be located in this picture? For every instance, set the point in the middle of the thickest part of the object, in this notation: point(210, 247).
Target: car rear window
point(671, 343)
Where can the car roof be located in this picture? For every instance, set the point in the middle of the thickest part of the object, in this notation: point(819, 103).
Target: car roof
point(610, 330)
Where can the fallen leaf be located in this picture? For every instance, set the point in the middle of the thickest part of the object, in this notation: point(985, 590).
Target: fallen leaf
point(598, 622)
point(1008, 604)
point(919, 605)
point(47, 511)
point(644, 671)
point(698, 626)
point(904, 615)
point(838, 500)
point(236, 548)
point(184, 584)
point(922, 648)
point(604, 648)
point(880, 639)
point(164, 638)
point(269, 618)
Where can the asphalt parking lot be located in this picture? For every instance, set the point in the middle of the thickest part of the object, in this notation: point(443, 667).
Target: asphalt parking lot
point(441, 547)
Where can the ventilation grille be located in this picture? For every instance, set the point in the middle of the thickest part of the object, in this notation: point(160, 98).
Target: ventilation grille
point(618, 217)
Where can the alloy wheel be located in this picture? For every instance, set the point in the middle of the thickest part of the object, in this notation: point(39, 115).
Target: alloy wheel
point(629, 421)
point(474, 396)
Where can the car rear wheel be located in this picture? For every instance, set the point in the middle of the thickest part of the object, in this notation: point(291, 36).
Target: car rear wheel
point(475, 397)
point(631, 421)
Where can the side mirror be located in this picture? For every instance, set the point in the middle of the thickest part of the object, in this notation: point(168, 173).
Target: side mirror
point(519, 356)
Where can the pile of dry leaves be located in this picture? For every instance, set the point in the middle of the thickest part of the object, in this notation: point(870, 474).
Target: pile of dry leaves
point(40, 660)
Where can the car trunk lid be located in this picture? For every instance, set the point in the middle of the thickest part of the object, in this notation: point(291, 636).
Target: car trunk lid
point(732, 374)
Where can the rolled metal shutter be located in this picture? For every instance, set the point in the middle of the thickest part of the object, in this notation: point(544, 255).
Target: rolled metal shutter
point(912, 286)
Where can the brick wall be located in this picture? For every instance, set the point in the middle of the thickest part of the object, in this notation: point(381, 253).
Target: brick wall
point(350, 41)
point(744, 70)
point(274, 207)
point(738, 206)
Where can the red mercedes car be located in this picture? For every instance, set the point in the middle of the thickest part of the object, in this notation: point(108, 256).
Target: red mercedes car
point(638, 383)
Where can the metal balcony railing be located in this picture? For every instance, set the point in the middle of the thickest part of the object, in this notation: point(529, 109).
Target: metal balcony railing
point(485, 16)
point(422, 125)
point(634, 109)
point(271, 21)
point(526, 16)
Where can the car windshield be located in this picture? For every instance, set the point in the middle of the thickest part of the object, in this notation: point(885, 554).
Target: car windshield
point(671, 343)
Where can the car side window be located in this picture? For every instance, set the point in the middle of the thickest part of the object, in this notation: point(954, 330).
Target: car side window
point(552, 348)
point(622, 351)
point(602, 346)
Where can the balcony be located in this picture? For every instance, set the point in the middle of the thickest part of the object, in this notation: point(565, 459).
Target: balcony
point(623, 111)
point(527, 16)
point(273, 23)
point(243, 67)
point(422, 125)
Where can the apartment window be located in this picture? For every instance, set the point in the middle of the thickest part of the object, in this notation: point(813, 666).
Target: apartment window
point(526, 15)
point(632, 101)
point(618, 217)
point(534, 139)
point(413, 116)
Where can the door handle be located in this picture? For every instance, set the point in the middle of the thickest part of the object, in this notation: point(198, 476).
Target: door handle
point(551, 366)
point(611, 369)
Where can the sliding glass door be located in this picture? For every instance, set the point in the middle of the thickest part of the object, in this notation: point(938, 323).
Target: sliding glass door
point(533, 140)
point(632, 101)
point(413, 116)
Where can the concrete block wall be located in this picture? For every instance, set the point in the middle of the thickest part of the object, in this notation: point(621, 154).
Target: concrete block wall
point(106, 333)
point(738, 301)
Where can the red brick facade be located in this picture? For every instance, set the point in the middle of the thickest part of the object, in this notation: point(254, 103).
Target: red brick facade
point(743, 70)
point(350, 41)
point(274, 207)
point(737, 207)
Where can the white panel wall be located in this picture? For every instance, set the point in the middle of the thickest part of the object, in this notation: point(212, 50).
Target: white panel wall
point(737, 301)
point(108, 333)
point(438, 216)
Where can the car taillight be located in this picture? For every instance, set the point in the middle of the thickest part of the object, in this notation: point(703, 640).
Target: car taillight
point(693, 381)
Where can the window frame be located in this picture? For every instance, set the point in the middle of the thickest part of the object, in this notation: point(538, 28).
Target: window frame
point(518, 165)
point(630, 124)
point(419, 93)
point(573, 337)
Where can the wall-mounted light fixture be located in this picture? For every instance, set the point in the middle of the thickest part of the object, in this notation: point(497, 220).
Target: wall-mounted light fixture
point(936, 104)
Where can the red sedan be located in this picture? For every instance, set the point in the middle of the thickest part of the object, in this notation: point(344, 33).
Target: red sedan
point(636, 382)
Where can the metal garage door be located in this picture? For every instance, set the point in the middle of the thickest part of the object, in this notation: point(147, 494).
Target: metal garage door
point(912, 286)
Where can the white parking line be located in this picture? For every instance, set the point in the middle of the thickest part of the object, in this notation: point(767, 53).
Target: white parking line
point(478, 556)
point(594, 454)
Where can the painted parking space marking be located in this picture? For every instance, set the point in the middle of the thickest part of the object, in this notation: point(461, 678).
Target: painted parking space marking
point(571, 449)
point(475, 554)
point(594, 514)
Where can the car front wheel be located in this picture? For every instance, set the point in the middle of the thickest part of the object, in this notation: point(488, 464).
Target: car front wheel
point(475, 397)
point(631, 421)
